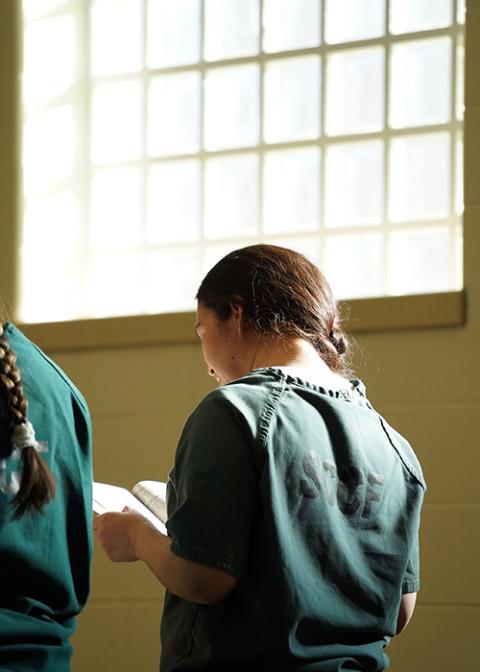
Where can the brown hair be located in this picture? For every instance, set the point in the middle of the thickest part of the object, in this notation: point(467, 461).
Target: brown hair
point(37, 485)
point(282, 293)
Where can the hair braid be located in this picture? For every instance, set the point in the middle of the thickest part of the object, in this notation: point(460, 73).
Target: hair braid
point(37, 485)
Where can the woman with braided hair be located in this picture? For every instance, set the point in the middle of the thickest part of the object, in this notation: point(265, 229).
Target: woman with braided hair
point(293, 507)
point(45, 507)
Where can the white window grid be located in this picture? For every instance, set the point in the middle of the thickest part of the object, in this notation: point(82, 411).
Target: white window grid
point(80, 180)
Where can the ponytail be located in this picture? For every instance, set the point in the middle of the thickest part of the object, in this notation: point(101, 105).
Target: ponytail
point(37, 485)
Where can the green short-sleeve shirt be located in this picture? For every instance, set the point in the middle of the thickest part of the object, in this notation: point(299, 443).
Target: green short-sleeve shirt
point(312, 502)
point(45, 558)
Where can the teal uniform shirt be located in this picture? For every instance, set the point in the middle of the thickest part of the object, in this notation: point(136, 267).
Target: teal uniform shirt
point(45, 558)
point(312, 502)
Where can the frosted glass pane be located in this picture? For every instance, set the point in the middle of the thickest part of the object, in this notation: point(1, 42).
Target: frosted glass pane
point(420, 83)
point(419, 185)
point(461, 11)
point(115, 285)
point(49, 60)
point(353, 264)
point(49, 149)
point(231, 28)
point(291, 199)
point(174, 114)
point(115, 208)
point(291, 24)
point(349, 20)
point(292, 99)
point(420, 261)
point(459, 175)
point(117, 122)
point(116, 36)
point(231, 196)
point(173, 201)
point(172, 280)
point(33, 9)
point(460, 92)
point(354, 194)
point(231, 107)
point(51, 224)
point(411, 15)
point(353, 78)
point(173, 33)
point(49, 292)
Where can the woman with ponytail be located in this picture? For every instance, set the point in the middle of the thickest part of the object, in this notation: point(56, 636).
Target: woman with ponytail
point(293, 507)
point(45, 507)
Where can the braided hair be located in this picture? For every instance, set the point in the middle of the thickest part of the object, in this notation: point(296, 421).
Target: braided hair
point(37, 485)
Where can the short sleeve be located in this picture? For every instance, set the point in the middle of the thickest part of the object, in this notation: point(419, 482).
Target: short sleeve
point(212, 490)
point(411, 579)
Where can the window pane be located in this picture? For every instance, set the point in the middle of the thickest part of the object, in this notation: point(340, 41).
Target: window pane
point(172, 280)
point(420, 89)
point(173, 201)
point(419, 186)
point(460, 93)
point(117, 122)
point(420, 260)
point(116, 36)
point(349, 20)
point(231, 196)
point(354, 195)
point(411, 15)
point(33, 9)
point(291, 24)
point(231, 107)
point(115, 284)
point(47, 76)
point(49, 149)
point(116, 208)
point(174, 114)
point(353, 265)
point(459, 174)
point(296, 80)
point(51, 224)
point(173, 33)
point(354, 77)
point(461, 11)
point(231, 28)
point(291, 198)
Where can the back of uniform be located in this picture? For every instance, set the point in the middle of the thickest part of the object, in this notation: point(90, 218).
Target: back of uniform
point(46, 557)
point(312, 501)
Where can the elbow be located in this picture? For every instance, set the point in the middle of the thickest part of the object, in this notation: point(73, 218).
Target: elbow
point(208, 590)
point(407, 607)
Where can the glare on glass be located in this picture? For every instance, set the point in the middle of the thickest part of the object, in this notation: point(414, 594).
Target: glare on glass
point(353, 265)
point(354, 184)
point(292, 99)
point(459, 174)
point(172, 280)
point(461, 11)
point(419, 184)
point(51, 224)
point(116, 36)
point(115, 208)
point(420, 82)
point(174, 114)
point(460, 80)
point(231, 107)
point(231, 196)
point(115, 284)
point(408, 16)
point(46, 75)
point(173, 33)
point(420, 260)
point(231, 29)
point(33, 9)
point(291, 24)
point(355, 91)
point(173, 202)
point(291, 199)
point(350, 20)
point(49, 149)
point(116, 122)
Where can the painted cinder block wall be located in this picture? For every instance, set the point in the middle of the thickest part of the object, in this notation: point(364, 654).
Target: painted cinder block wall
point(424, 381)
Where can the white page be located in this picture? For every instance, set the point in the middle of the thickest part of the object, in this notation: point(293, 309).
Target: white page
point(113, 498)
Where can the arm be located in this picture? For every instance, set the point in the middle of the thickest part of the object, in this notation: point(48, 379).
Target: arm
point(128, 536)
point(407, 606)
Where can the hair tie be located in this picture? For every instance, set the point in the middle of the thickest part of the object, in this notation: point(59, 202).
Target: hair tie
point(23, 436)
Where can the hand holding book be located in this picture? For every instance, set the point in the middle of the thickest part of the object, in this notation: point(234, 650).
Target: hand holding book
point(147, 497)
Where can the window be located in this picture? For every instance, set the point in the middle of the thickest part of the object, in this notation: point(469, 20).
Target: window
point(160, 134)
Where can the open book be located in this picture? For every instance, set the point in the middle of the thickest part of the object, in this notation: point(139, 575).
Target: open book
point(147, 497)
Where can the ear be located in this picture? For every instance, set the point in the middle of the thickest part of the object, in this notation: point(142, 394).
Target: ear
point(237, 311)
